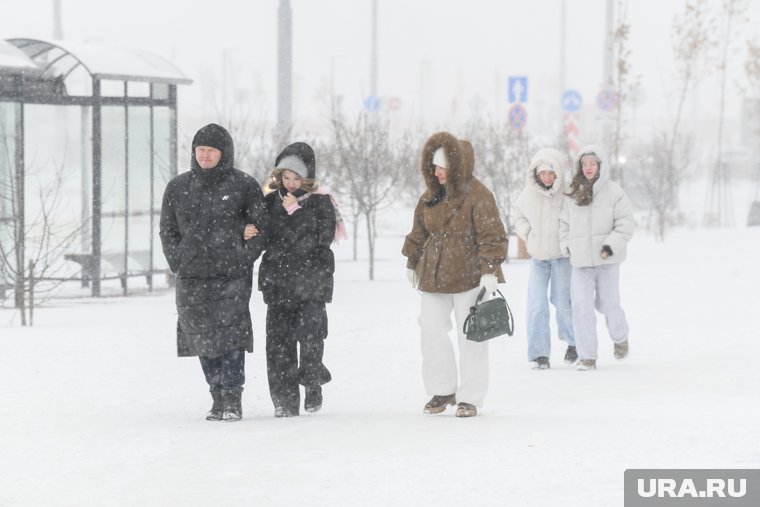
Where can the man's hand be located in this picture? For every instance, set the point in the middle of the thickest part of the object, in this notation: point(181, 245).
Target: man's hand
point(250, 231)
point(606, 252)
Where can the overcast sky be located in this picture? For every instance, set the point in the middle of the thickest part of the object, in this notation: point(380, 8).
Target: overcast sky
point(443, 59)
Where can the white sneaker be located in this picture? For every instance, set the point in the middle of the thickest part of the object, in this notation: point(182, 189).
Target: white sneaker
point(586, 364)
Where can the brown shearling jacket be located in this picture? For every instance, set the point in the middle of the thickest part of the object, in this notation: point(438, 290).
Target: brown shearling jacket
point(457, 240)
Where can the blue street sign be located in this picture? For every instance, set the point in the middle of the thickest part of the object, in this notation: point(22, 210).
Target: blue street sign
point(571, 101)
point(518, 88)
point(372, 103)
point(518, 116)
point(607, 100)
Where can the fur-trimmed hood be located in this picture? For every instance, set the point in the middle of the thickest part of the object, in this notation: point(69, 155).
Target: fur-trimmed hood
point(461, 158)
point(555, 159)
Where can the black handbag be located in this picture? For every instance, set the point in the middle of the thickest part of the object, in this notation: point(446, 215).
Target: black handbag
point(488, 319)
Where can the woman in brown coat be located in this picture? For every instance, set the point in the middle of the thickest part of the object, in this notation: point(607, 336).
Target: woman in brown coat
point(456, 247)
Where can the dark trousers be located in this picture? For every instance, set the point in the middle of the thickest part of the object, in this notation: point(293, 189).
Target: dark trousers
point(287, 326)
point(225, 372)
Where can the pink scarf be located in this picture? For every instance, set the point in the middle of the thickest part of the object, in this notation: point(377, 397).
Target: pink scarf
point(340, 225)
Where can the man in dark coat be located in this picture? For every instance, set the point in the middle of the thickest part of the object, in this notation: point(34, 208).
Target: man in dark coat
point(204, 215)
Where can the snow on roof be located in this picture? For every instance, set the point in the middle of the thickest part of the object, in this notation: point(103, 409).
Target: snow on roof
point(103, 60)
point(15, 61)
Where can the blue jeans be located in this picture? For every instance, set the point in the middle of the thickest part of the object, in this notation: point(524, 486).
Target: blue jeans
point(551, 276)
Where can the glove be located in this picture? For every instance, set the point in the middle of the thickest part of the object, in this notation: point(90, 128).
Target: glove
point(606, 252)
point(412, 277)
point(489, 282)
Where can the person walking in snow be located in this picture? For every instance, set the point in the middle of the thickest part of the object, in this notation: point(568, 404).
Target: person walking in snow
point(296, 279)
point(537, 223)
point(455, 249)
point(596, 224)
point(207, 216)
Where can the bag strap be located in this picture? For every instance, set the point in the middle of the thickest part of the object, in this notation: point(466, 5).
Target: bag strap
point(482, 294)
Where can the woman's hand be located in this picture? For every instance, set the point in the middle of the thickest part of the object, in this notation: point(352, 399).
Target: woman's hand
point(289, 200)
point(250, 231)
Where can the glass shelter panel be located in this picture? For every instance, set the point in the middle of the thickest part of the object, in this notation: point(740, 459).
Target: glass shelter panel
point(139, 189)
point(162, 169)
point(57, 186)
point(113, 190)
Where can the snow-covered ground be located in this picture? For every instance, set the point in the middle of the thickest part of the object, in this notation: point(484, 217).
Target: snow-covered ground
point(97, 410)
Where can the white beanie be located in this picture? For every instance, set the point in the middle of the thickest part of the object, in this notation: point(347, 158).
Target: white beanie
point(546, 166)
point(439, 158)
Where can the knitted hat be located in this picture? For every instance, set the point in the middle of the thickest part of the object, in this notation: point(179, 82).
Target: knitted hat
point(299, 158)
point(439, 158)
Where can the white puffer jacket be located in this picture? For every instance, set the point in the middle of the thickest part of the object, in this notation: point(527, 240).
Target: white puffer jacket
point(608, 220)
point(538, 208)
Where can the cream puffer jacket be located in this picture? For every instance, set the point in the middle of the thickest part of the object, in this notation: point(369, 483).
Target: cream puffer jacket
point(537, 209)
point(607, 220)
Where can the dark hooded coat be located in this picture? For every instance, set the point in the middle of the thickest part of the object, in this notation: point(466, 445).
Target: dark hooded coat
point(298, 264)
point(203, 216)
point(457, 240)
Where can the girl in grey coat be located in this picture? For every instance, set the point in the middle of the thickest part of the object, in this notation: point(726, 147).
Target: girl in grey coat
point(595, 225)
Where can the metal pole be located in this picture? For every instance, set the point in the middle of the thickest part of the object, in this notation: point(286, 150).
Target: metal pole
point(173, 130)
point(97, 138)
point(152, 196)
point(20, 210)
point(57, 22)
point(126, 188)
point(284, 69)
point(84, 212)
point(373, 56)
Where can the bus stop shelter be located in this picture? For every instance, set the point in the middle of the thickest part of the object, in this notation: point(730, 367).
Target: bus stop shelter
point(107, 118)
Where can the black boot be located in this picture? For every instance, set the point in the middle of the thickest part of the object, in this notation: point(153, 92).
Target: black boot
point(312, 402)
point(571, 355)
point(215, 414)
point(233, 408)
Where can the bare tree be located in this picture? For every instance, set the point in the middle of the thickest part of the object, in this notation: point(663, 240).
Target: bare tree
point(752, 65)
point(623, 85)
point(657, 178)
point(752, 68)
point(718, 209)
point(502, 155)
point(32, 247)
point(368, 161)
point(693, 41)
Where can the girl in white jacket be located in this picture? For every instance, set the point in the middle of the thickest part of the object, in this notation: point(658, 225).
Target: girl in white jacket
point(595, 225)
point(537, 223)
